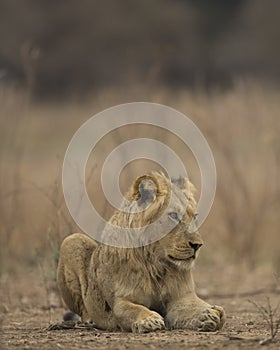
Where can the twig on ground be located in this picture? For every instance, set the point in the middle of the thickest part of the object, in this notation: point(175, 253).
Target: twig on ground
point(270, 316)
point(71, 325)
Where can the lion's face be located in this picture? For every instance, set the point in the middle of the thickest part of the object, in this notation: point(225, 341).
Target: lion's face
point(172, 205)
point(180, 247)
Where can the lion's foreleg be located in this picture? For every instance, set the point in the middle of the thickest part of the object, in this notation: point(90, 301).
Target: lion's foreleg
point(194, 313)
point(136, 318)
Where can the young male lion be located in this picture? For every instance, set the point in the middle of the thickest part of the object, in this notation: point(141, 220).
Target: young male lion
point(146, 288)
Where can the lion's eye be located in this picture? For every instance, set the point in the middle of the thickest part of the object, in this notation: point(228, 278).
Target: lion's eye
point(174, 216)
point(195, 216)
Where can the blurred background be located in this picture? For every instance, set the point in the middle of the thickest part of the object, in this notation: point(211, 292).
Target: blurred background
point(216, 61)
point(62, 48)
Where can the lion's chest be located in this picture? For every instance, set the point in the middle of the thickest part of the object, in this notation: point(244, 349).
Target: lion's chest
point(153, 296)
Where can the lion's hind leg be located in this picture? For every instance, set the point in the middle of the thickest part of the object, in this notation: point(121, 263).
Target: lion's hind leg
point(72, 279)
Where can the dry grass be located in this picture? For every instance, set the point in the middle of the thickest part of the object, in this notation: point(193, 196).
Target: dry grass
point(271, 317)
point(242, 127)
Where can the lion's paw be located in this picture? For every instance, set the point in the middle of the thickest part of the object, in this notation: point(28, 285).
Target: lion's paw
point(211, 319)
point(151, 323)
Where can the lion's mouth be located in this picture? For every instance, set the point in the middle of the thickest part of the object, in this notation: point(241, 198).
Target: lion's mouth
point(181, 259)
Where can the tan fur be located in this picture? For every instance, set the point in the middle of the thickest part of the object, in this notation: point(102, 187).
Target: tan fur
point(140, 289)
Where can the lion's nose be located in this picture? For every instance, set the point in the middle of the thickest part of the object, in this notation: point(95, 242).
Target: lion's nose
point(195, 246)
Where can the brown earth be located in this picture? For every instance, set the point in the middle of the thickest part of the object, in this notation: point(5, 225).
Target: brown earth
point(26, 316)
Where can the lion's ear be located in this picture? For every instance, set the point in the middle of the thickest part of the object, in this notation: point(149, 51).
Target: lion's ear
point(180, 182)
point(146, 188)
point(184, 184)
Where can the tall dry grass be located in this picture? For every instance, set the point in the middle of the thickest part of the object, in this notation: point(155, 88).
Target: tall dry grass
point(241, 125)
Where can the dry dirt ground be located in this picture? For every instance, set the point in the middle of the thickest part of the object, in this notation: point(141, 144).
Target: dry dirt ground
point(25, 318)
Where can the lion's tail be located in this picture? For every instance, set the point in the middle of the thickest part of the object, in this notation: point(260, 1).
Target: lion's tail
point(70, 316)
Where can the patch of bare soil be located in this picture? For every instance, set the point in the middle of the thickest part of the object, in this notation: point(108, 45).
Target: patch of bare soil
point(25, 319)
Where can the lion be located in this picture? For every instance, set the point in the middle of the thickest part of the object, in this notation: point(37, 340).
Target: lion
point(145, 288)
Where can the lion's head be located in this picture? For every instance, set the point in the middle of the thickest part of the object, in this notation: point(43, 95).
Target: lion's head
point(164, 209)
